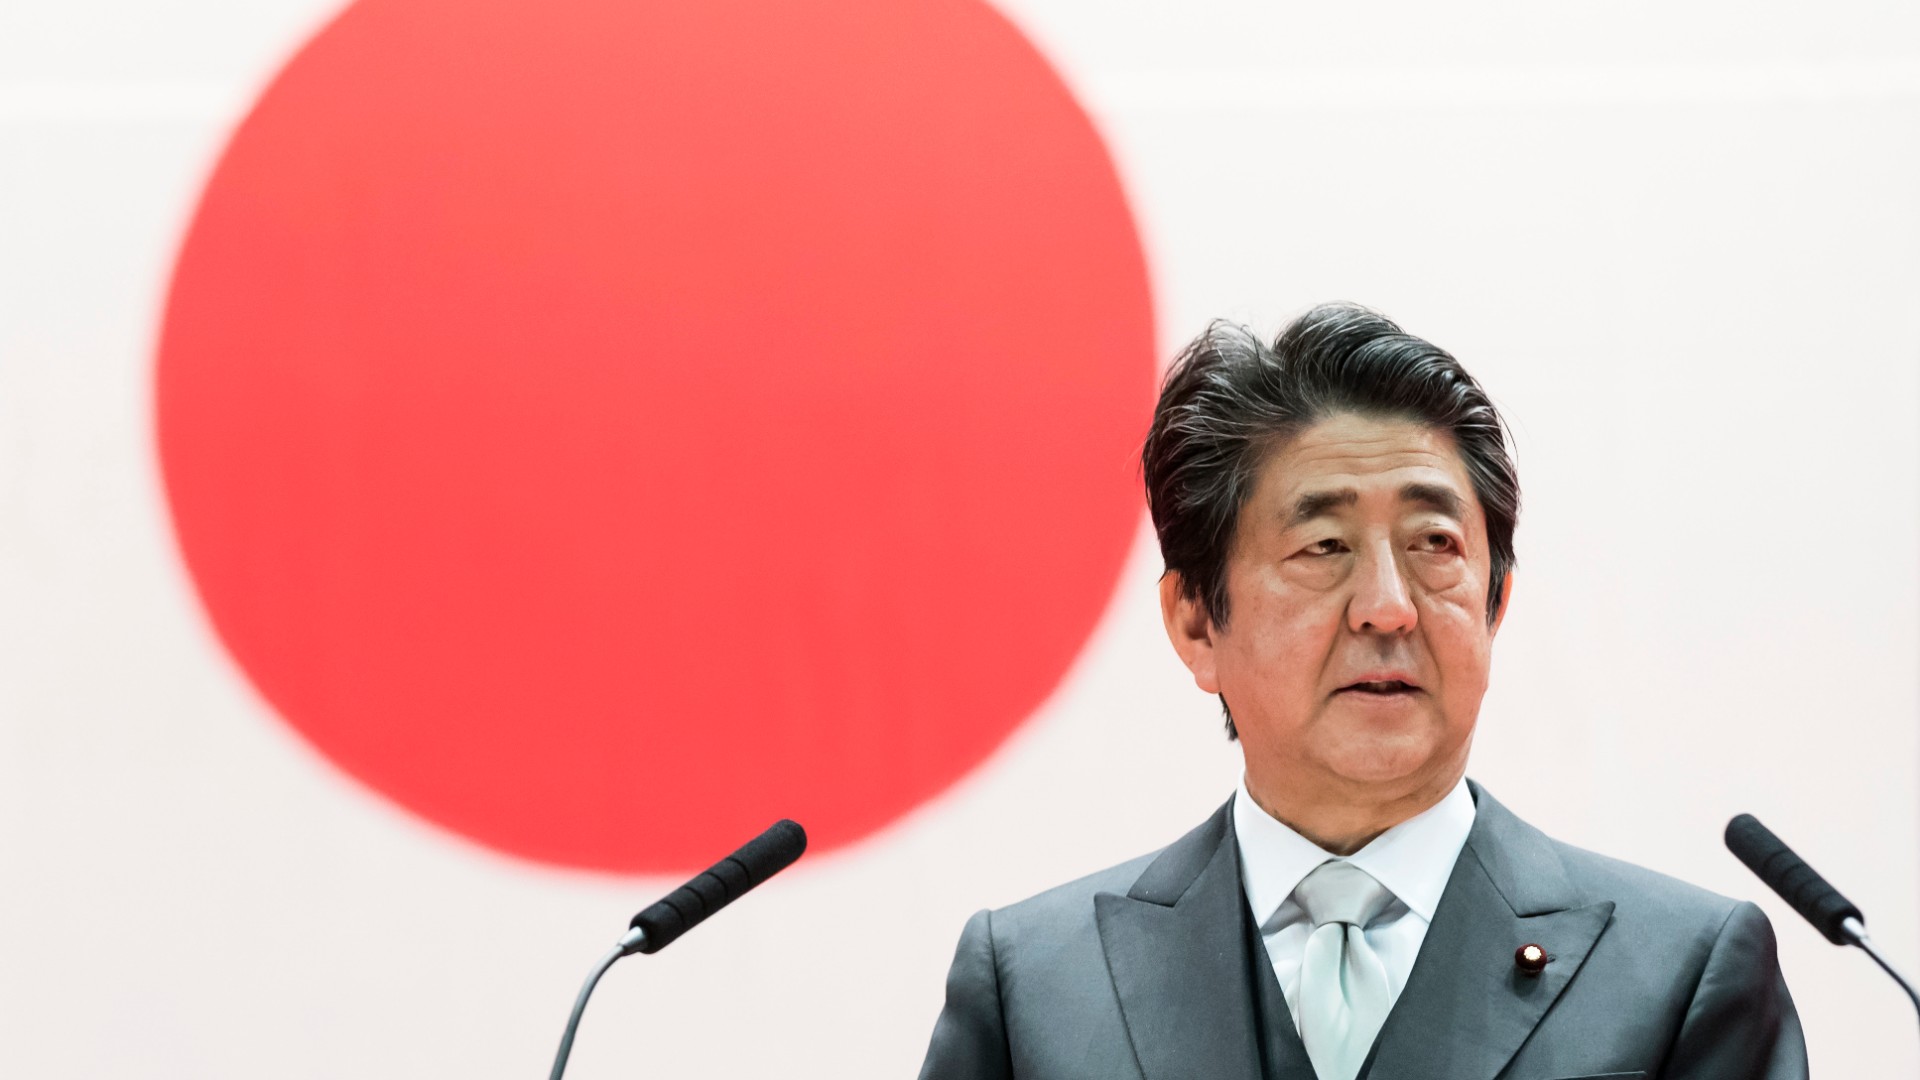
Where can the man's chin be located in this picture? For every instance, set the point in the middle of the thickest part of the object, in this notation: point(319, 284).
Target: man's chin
point(1380, 755)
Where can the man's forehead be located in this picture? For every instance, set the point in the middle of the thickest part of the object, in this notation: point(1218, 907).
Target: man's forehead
point(1335, 462)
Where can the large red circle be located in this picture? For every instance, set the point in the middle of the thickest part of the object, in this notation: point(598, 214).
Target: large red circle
point(604, 427)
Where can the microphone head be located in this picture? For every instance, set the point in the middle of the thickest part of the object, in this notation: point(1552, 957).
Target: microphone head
point(774, 850)
point(1787, 874)
point(721, 884)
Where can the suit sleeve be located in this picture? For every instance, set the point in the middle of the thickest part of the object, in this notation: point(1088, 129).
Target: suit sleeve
point(970, 1038)
point(1741, 1024)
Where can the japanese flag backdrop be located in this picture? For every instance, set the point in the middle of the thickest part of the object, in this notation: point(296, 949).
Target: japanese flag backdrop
point(465, 465)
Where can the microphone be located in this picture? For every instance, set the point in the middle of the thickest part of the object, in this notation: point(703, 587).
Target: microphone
point(1789, 875)
point(1806, 891)
point(688, 906)
point(726, 881)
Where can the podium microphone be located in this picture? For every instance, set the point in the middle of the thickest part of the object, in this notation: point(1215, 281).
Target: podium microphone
point(688, 906)
point(1818, 902)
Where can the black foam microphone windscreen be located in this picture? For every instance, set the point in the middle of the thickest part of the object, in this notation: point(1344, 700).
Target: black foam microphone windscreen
point(721, 884)
point(1790, 876)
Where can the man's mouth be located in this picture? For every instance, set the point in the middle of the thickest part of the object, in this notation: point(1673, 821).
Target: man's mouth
point(1384, 688)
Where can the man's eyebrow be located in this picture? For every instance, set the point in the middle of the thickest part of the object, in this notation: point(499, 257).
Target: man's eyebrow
point(1316, 504)
point(1434, 497)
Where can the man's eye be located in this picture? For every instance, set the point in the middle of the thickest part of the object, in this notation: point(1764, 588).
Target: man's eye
point(1437, 542)
point(1325, 547)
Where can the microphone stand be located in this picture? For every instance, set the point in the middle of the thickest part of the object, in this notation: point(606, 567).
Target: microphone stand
point(627, 947)
point(1856, 934)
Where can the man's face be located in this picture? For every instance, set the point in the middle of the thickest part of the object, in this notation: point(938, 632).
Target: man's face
point(1357, 641)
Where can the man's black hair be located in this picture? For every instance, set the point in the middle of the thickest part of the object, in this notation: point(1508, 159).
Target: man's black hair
point(1230, 402)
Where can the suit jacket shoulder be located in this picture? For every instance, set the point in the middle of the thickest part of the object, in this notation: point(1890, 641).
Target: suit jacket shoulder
point(1647, 974)
point(1032, 991)
point(1599, 875)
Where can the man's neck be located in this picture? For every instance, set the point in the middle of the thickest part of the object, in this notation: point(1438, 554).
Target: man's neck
point(1344, 821)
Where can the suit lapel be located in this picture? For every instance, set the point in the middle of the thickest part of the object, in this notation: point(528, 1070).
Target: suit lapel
point(1467, 1007)
point(1177, 953)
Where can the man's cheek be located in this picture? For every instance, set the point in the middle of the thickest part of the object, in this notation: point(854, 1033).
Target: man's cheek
point(1440, 576)
point(1456, 612)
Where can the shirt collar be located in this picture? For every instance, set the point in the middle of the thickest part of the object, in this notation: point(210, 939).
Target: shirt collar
point(1413, 859)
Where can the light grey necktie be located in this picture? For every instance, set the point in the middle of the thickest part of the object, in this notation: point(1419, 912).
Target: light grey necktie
point(1343, 985)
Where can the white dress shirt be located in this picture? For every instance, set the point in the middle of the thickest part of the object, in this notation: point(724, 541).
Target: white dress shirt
point(1413, 860)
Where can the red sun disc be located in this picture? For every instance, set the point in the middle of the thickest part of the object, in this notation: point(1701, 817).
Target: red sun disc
point(604, 427)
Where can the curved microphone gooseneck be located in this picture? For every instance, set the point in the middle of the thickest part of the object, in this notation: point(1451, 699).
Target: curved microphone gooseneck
point(687, 907)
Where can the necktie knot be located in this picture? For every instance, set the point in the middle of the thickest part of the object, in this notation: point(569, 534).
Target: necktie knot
point(1340, 892)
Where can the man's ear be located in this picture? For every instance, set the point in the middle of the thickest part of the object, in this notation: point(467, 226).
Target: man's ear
point(1500, 613)
point(1190, 629)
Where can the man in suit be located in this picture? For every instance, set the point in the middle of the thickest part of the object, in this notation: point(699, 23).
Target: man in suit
point(1336, 513)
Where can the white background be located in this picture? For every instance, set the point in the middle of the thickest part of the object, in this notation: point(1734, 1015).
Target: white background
point(1679, 243)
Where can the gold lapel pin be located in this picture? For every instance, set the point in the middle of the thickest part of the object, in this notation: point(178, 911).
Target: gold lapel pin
point(1530, 958)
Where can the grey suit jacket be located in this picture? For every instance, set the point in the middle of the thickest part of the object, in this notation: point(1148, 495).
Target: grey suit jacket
point(1140, 971)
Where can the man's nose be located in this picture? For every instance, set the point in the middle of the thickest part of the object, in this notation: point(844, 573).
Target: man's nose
point(1381, 602)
